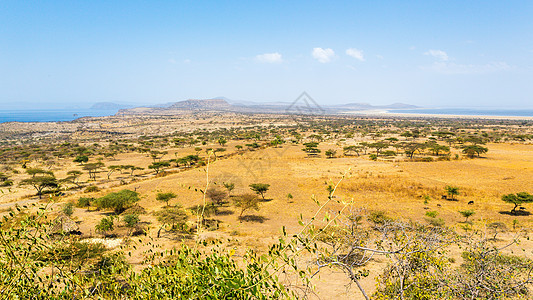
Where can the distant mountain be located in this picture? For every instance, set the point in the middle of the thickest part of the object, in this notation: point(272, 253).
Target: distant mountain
point(225, 104)
point(400, 106)
point(196, 104)
point(109, 106)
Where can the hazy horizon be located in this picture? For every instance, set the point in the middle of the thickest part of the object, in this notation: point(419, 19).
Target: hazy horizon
point(62, 54)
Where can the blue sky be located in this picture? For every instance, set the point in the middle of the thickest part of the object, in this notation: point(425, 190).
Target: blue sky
point(427, 53)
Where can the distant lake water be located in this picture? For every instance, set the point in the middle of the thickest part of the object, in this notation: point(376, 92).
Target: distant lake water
point(51, 115)
point(468, 112)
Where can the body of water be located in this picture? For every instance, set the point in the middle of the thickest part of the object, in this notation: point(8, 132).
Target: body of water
point(51, 115)
point(468, 112)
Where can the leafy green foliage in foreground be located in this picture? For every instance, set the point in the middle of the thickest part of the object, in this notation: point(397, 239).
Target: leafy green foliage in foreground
point(35, 265)
point(189, 274)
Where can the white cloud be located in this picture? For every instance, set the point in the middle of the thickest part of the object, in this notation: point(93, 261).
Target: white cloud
point(172, 61)
point(441, 55)
point(453, 68)
point(323, 55)
point(355, 53)
point(186, 61)
point(270, 58)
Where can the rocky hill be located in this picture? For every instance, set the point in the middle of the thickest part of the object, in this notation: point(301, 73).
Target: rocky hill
point(224, 104)
point(202, 104)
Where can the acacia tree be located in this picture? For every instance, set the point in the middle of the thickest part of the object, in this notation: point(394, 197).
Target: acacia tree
point(216, 196)
point(330, 153)
point(472, 150)
point(260, 188)
point(159, 166)
point(437, 148)
point(112, 169)
point(165, 197)
point(41, 183)
point(311, 148)
point(379, 146)
point(222, 141)
point(37, 171)
point(349, 149)
point(174, 216)
point(132, 168)
point(246, 202)
point(517, 199)
point(93, 169)
point(467, 214)
point(411, 148)
point(73, 176)
point(452, 191)
point(157, 155)
point(230, 186)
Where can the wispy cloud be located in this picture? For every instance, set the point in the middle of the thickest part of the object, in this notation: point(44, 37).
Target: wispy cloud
point(270, 58)
point(173, 61)
point(323, 55)
point(355, 53)
point(453, 68)
point(439, 54)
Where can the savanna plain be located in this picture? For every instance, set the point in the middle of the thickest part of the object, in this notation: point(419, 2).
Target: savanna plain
point(223, 205)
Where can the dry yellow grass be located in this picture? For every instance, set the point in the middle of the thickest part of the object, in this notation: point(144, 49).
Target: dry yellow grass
point(396, 187)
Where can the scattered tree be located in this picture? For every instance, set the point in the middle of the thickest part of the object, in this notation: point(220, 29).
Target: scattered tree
point(165, 197)
point(176, 217)
point(466, 214)
point(105, 225)
point(260, 188)
point(216, 196)
point(472, 150)
point(93, 169)
point(131, 221)
point(230, 186)
point(517, 199)
point(41, 183)
point(246, 202)
point(81, 159)
point(158, 166)
point(452, 191)
point(330, 153)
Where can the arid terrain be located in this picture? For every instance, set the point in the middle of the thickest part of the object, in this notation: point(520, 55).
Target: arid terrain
point(414, 170)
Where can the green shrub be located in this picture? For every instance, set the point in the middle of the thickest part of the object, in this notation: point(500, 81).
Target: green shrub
point(118, 201)
point(84, 202)
point(68, 209)
point(432, 214)
point(92, 189)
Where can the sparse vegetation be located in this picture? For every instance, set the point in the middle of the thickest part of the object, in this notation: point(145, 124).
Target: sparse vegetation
point(246, 202)
point(412, 247)
point(260, 188)
point(165, 197)
point(517, 199)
